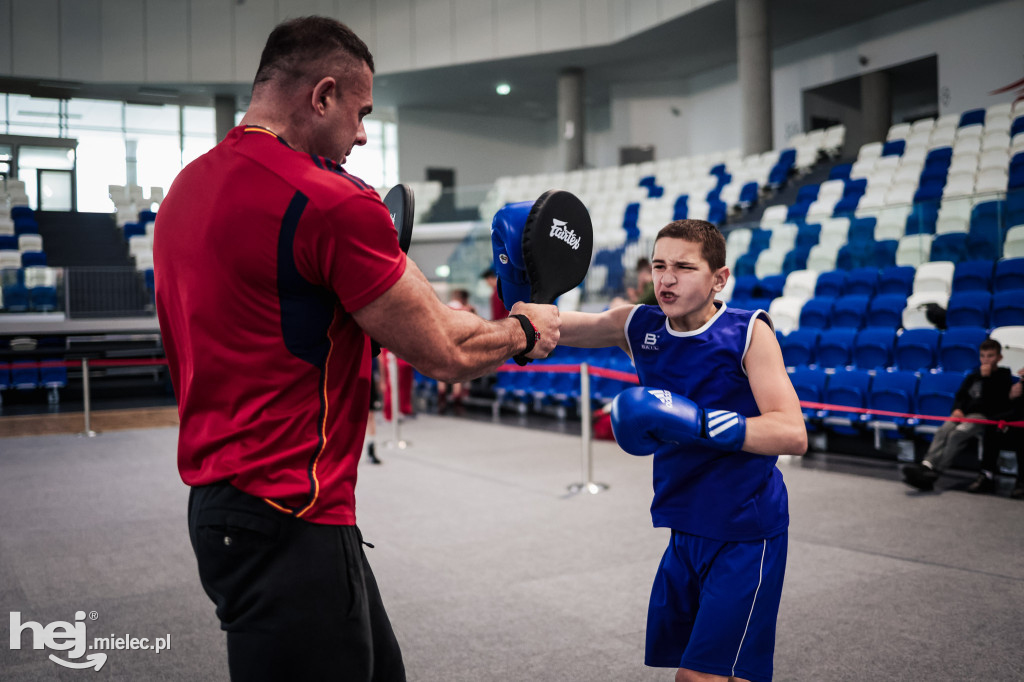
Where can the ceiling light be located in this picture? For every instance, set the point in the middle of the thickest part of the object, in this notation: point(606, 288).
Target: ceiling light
point(503, 88)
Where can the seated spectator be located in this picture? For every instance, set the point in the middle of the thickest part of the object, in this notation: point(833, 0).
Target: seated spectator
point(996, 437)
point(643, 292)
point(982, 395)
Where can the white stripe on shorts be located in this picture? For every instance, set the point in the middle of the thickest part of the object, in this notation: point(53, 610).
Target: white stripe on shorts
point(760, 577)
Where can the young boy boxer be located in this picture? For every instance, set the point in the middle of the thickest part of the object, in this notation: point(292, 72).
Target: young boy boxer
point(716, 408)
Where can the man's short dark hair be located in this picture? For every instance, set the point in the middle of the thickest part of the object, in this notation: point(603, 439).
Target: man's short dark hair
point(991, 344)
point(296, 45)
point(712, 243)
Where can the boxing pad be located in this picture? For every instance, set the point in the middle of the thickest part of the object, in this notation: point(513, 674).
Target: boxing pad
point(543, 249)
point(644, 419)
point(401, 204)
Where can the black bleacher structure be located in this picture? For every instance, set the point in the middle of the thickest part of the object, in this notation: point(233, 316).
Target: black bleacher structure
point(101, 279)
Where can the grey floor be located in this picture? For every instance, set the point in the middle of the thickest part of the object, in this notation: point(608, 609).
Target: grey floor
point(491, 571)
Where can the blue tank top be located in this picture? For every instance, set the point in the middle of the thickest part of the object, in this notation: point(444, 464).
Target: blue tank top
point(731, 496)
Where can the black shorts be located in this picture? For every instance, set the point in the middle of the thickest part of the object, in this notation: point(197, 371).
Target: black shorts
point(297, 599)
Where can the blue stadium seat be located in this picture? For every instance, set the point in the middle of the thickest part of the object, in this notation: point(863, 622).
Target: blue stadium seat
point(147, 216)
point(830, 284)
point(53, 375)
point(861, 281)
point(8, 242)
point(808, 193)
point(939, 155)
point(893, 392)
point(969, 309)
point(973, 275)
point(810, 387)
point(989, 213)
point(748, 195)
point(133, 230)
point(15, 297)
point(25, 226)
point(42, 299)
point(32, 258)
point(972, 117)
point(835, 348)
point(745, 264)
point(896, 279)
point(846, 206)
point(929, 190)
point(936, 392)
point(25, 375)
point(847, 387)
point(958, 349)
point(772, 285)
point(917, 349)
point(886, 310)
point(680, 209)
point(21, 212)
point(894, 148)
point(796, 259)
point(816, 312)
point(840, 171)
point(855, 254)
point(1015, 200)
point(885, 253)
point(745, 286)
point(1017, 126)
point(861, 229)
point(1009, 275)
point(923, 217)
point(798, 347)
point(1008, 309)
point(808, 235)
point(873, 347)
point(985, 242)
point(797, 212)
point(848, 312)
point(951, 246)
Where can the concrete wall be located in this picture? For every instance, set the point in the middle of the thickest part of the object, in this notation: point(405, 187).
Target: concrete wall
point(213, 41)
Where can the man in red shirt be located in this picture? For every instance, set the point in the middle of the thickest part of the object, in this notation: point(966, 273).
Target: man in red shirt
point(273, 268)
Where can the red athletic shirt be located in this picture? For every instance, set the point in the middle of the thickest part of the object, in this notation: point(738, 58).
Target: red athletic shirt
point(261, 254)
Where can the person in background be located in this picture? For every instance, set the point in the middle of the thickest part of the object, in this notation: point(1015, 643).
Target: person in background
point(996, 439)
point(983, 394)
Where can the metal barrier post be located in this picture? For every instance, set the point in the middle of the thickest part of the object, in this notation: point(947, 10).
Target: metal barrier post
point(88, 432)
point(588, 484)
point(396, 416)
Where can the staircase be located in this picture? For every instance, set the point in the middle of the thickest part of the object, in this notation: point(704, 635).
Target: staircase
point(100, 278)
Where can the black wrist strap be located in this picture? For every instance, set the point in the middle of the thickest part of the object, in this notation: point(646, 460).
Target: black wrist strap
point(531, 338)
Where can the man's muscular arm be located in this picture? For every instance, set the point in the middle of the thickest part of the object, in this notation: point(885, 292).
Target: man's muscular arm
point(446, 344)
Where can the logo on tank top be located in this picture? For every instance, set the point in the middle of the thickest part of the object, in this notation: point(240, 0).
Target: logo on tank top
point(650, 341)
point(560, 230)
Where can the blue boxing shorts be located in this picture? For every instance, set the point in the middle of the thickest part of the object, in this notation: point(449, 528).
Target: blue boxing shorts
point(714, 605)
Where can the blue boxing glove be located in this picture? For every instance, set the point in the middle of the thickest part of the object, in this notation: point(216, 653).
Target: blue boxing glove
point(644, 419)
point(507, 246)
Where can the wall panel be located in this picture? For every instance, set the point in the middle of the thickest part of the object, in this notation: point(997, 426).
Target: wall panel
point(432, 33)
point(394, 36)
point(211, 50)
point(254, 20)
point(123, 41)
point(561, 25)
point(516, 27)
point(36, 39)
point(80, 56)
point(166, 41)
point(6, 44)
point(359, 15)
point(474, 30)
point(597, 28)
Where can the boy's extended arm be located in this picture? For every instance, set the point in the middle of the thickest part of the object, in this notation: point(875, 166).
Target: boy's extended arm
point(595, 330)
point(780, 429)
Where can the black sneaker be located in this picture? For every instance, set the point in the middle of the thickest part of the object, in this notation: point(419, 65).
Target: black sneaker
point(982, 484)
point(372, 454)
point(920, 477)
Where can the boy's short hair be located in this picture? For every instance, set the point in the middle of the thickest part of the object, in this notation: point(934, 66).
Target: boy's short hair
point(991, 344)
point(712, 243)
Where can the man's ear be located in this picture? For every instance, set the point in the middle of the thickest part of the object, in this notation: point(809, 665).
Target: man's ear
point(323, 92)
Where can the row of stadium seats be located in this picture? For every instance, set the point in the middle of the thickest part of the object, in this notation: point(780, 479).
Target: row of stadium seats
point(27, 375)
point(881, 348)
point(31, 289)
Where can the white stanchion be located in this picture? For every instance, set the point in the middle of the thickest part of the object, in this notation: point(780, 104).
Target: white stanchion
point(87, 432)
point(588, 484)
point(396, 415)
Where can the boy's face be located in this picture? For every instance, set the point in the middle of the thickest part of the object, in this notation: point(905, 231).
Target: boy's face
point(683, 281)
point(990, 357)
